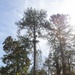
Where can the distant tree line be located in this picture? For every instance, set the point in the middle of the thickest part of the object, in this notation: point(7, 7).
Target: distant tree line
point(22, 56)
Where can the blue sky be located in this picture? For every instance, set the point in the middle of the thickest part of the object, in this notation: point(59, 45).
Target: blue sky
point(12, 10)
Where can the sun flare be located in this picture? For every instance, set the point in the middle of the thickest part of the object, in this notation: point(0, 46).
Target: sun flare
point(69, 8)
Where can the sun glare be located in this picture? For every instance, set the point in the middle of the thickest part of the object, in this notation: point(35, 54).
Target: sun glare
point(69, 8)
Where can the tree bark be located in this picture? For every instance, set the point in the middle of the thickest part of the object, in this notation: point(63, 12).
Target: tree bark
point(63, 60)
point(34, 41)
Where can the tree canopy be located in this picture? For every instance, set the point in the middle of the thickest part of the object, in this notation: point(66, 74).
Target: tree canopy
point(60, 39)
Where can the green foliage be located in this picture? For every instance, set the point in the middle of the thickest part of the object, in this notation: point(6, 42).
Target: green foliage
point(38, 72)
point(16, 57)
point(60, 39)
point(31, 18)
point(3, 70)
point(33, 22)
point(58, 36)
